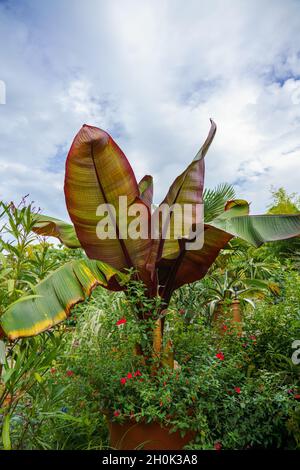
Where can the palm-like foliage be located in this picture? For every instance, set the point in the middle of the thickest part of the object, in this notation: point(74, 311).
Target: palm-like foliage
point(215, 200)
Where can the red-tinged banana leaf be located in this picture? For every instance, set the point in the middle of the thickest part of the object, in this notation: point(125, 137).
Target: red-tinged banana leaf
point(258, 229)
point(97, 173)
point(55, 297)
point(192, 265)
point(146, 190)
point(186, 189)
point(51, 227)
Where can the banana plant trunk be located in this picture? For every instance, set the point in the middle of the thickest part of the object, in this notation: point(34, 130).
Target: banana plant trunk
point(161, 355)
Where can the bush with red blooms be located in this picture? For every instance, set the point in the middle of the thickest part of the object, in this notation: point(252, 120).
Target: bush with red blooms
point(238, 391)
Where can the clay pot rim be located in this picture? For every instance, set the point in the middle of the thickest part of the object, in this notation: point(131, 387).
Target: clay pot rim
point(109, 415)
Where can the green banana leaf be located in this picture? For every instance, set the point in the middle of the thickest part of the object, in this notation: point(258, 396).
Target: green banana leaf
point(258, 229)
point(55, 296)
point(51, 227)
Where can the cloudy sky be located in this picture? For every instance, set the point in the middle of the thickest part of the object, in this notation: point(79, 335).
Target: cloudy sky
point(151, 73)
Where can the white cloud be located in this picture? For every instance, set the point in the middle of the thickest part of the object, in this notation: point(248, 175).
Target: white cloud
point(151, 73)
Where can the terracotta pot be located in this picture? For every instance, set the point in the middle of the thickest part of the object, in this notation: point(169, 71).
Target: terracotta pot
point(231, 313)
point(236, 311)
point(149, 436)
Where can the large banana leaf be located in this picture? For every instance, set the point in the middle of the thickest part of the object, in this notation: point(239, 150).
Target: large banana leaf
point(55, 296)
point(258, 229)
point(98, 173)
point(51, 227)
point(186, 189)
point(192, 265)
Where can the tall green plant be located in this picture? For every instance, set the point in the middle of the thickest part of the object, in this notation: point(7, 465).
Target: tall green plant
point(97, 172)
point(24, 261)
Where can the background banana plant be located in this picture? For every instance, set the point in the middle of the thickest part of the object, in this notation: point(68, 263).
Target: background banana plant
point(98, 172)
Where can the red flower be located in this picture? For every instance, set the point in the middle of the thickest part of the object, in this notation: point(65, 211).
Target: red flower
point(181, 311)
point(218, 446)
point(297, 397)
point(224, 327)
point(237, 389)
point(121, 321)
point(69, 373)
point(129, 375)
point(53, 371)
point(252, 337)
point(137, 373)
point(220, 356)
point(244, 345)
point(117, 413)
point(123, 380)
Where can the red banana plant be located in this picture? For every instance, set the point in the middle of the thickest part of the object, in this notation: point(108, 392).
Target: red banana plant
point(98, 172)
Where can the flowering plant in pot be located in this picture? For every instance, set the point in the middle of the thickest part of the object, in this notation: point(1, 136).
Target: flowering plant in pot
point(107, 205)
point(228, 293)
point(144, 405)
